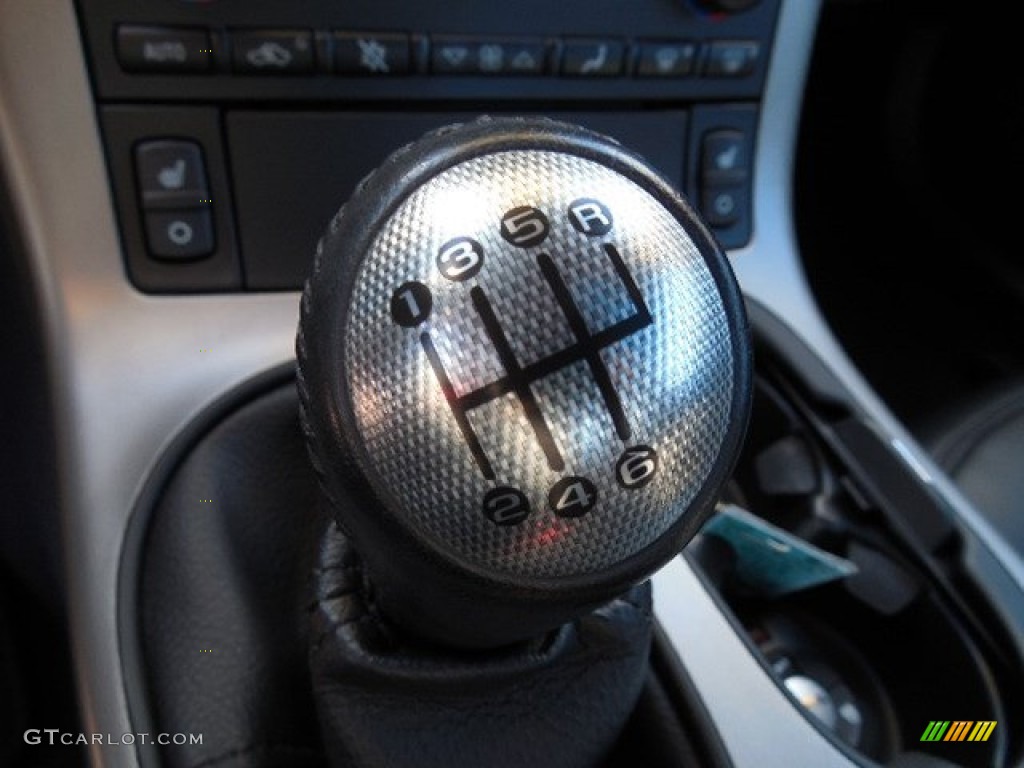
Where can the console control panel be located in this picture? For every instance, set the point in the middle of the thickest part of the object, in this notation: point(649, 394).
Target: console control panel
point(272, 52)
point(268, 113)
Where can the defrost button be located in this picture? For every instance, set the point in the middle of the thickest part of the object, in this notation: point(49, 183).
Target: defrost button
point(732, 58)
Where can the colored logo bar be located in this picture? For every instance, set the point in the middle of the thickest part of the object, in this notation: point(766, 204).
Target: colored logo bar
point(958, 730)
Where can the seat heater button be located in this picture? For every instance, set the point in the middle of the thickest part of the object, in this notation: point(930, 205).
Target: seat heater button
point(724, 156)
point(592, 58)
point(170, 173)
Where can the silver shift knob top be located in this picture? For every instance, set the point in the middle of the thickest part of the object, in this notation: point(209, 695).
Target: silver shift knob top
point(535, 359)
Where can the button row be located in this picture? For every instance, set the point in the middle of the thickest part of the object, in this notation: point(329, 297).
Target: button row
point(301, 51)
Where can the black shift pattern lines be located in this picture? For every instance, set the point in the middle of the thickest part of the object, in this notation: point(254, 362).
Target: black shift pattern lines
point(518, 378)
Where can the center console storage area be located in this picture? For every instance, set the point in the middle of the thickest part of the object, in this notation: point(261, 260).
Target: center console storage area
point(850, 582)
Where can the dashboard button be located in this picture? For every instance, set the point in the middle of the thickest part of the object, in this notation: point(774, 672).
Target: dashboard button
point(163, 49)
point(371, 53)
point(592, 58)
point(731, 58)
point(524, 57)
point(487, 56)
point(453, 56)
point(272, 52)
point(724, 204)
point(724, 156)
point(666, 58)
point(170, 174)
point(179, 235)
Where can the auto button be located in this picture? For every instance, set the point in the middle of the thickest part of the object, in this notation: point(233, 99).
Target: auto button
point(163, 49)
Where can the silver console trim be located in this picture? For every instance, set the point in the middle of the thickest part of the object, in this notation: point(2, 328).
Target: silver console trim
point(129, 370)
point(129, 374)
point(753, 716)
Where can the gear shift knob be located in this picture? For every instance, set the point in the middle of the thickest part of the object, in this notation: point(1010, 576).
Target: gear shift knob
point(525, 374)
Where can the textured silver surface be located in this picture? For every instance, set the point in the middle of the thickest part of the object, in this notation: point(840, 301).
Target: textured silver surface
point(674, 377)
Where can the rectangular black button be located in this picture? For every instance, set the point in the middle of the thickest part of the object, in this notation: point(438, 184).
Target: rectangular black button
point(666, 59)
point(451, 56)
point(163, 49)
point(592, 58)
point(170, 174)
point(371, 53)
point(724, 156)
point(731, 58)
point(272, 52)
point(522, 57)
point(724, 205)
point(179, 235)
point(462, 56)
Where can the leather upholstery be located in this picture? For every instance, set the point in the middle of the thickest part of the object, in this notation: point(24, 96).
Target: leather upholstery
point(224, 595)
point(558, 703)
point(249, 611)
point(981, 446)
